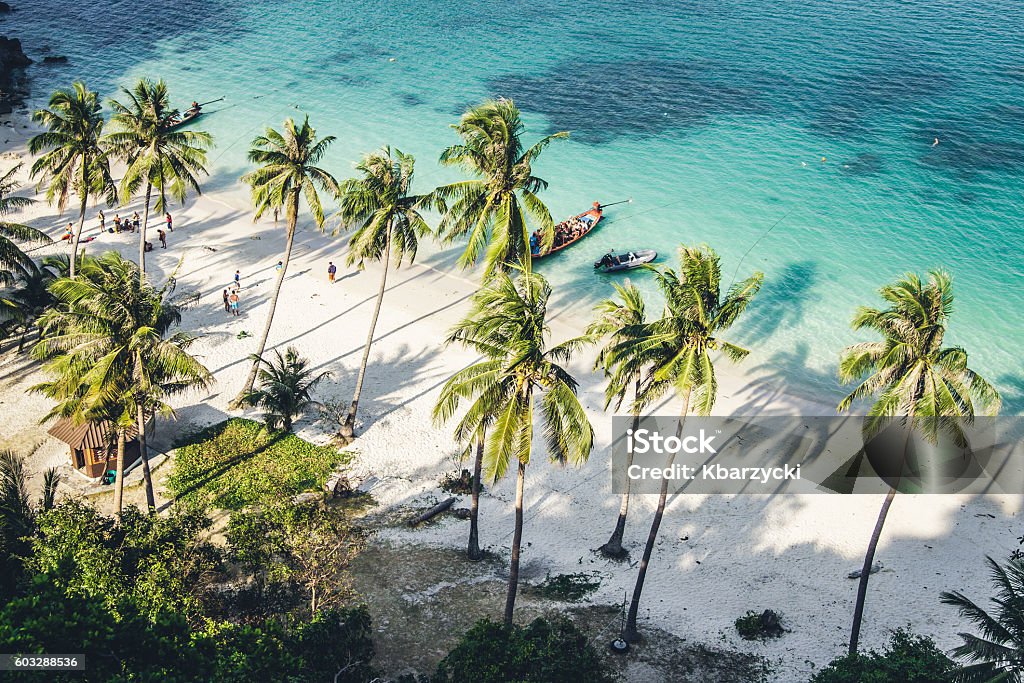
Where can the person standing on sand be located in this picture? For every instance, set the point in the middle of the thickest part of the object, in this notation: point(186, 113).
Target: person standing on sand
point(227, 304)
point(170, 226)
point(233, 300)
point(117, 223)
point(136, 222)
point(103, 220)
point(279, 267)
point(238, 280)
point(163, 238)
point(331, 271)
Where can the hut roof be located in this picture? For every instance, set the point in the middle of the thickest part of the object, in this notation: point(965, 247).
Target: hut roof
point(96, 434)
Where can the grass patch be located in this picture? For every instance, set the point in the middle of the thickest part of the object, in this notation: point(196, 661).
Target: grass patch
point(237, 463)
point(754, 626)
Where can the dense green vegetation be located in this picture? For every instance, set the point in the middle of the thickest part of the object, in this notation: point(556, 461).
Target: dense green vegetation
point(908, 659)
point(238, 463)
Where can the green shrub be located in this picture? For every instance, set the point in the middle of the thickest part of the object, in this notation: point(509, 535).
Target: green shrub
point(908, 659)
point(237, 463)
point(544, 652)
point(755, 626)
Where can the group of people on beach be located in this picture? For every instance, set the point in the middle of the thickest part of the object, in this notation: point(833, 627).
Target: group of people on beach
point(231, 298)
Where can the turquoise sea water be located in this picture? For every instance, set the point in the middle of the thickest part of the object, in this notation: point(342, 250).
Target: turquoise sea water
point(713, 116)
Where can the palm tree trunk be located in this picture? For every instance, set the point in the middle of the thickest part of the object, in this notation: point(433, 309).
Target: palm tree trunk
point(77, 236)
point(517, 540)
point(613, 548)
point(473, 549)
point(119, 477)
point(250, 380)
point(629, 632)
point(865, 572)
point(144, 454)
point(348, 426)
point(142, 233)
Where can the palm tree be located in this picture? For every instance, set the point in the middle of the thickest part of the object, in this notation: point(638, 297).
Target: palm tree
point(158, 156)
point(30, 296)
point(18, 514)
point(14, 261)
point(493, 208)
point(286, 385)
point(998, 653)
point(912, 375)
point(388, 226)
point(73, 159)
point(506, 325)
point(620, 320)
point(287, 171)
point(680, 346)
point(109, 347)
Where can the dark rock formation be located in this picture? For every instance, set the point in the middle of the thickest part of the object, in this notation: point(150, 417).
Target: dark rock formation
point(55, 60)
point(4, 8)
point(12, 79)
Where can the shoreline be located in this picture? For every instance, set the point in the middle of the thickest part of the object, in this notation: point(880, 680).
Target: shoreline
point(718, 556)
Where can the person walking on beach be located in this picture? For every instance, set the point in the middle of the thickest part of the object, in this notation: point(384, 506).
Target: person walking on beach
point(279, 267)
point(331, 271)
point(136, 222)
point(103, 221)
point(163, 238)
point(238, 280)
point(233, 300)
point(170, 226)
point(227, 304)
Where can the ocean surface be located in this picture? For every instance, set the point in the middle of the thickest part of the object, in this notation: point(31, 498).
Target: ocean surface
point(794, 137)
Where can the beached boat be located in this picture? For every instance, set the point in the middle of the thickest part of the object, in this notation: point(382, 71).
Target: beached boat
point(610, 263)
point(583, 224)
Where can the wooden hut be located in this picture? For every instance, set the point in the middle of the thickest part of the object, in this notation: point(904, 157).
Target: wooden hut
point(93, 445)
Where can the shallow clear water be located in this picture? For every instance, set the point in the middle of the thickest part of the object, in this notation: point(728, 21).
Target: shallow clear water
point(713, 117)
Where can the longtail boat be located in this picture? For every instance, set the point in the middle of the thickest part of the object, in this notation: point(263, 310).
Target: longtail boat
point(583, 223)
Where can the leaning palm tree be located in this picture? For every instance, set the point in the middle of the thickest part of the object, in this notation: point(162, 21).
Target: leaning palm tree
point(287, 172)
point(520, 373)
point(159, 156)
point(998, 653)
point(388, 222)
point(285, 389)
point(73, 160)
point(913, 376)
point(680, 345)
point(109, 346)
point(621, 319)
point(14, 261)
point(494, 208)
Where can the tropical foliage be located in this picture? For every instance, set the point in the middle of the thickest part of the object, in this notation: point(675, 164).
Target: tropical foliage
point(109, 348)
point(159, 156)
point(237, 463)
point(996, 653)
point(30, 296)
point(677, 348)
point(494, 210)
point(14, 261)
point(388, 225)
point(72, 158)
point(621, 319)
point(519, 373)
point(285, 389)
point(912, 375)
point(909, 658)
point(287, 171)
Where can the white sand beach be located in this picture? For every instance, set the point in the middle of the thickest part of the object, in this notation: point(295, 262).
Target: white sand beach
point(717, 557)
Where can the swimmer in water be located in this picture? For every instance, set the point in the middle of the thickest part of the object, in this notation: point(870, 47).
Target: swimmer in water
point(935, 142)
point(823, 159)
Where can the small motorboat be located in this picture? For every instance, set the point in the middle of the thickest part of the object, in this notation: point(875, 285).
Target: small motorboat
point(612, 262)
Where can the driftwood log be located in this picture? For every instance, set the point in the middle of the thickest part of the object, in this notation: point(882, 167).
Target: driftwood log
point(433, 512)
